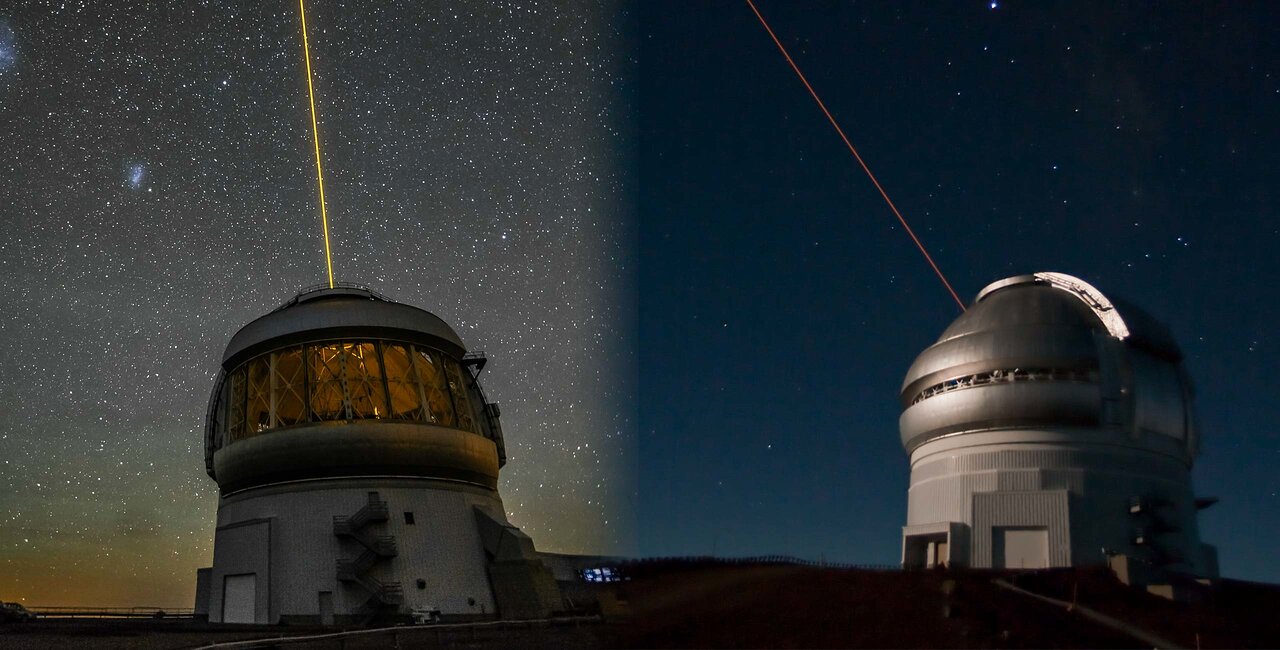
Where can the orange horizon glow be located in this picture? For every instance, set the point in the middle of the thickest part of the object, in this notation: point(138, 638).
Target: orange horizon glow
point(83, 574)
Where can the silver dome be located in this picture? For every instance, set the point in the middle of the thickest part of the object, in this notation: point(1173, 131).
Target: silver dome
point(1048, 349)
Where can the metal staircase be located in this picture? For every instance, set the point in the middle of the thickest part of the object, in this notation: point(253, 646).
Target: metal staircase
point(1153, 518)
point(382, 595)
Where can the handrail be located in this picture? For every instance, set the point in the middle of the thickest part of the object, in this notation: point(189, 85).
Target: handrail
point(80, 611)
point(1141, 635)
point(336, 285)
point(404, 629)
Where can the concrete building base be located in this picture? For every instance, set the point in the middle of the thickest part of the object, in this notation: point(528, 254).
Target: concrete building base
point(283, 554)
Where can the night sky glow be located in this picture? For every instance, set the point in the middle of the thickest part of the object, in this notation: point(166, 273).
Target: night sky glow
point(488, 162)
point(1132, 145)
point(158, 192)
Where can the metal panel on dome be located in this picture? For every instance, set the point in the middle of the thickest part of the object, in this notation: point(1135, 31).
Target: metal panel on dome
point(1158, 400)
point(1020, 305)
point(340, 312)
point(1099, 303)
point(366, 448)
point(1000, 406)
point(1007, 348)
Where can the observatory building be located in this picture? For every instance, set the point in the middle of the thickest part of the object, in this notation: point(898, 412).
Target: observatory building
point(357, 463)
point(1051, 427)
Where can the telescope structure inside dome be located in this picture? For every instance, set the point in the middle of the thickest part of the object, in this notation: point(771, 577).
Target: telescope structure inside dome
point(1050, 426)
point(357, 462)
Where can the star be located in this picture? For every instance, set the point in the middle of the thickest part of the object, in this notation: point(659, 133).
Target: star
point(483, 204)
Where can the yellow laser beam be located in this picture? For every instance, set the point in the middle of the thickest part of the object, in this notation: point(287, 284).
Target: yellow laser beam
point(315, 132)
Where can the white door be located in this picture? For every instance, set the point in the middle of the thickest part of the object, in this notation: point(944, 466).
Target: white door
point(239, 598)
point(1024, 548)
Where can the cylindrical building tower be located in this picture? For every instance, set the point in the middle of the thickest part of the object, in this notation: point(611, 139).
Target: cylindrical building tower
point(357, 462)
point(1049, 426)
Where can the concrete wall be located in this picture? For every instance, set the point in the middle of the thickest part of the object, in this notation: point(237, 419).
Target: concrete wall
point(1081, 492)
point(204, 582)
point(1041, 509)
point(292, 544)
point(241, 547)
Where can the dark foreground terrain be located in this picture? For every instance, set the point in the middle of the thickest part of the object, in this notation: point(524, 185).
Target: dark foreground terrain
point(87, 634)
point(709, 604)
point(692, 605)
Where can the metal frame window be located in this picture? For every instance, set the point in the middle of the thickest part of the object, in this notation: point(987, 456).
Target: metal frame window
point(288, 388)
point(365, 384)
point(428, 368)
point(404, 396)
point(1007, 376)
point(461, 403)
point(235, 404)
point(334, 381)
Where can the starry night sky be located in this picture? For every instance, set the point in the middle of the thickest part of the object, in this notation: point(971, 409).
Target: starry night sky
point(157, 191)
point(1130, 144)
point(613, 206)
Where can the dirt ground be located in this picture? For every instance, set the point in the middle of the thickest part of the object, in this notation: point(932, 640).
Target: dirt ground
point(712, 605)
point(812, 607)
point(95, 634)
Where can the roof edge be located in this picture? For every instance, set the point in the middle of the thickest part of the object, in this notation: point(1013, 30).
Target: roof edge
point(1087, 293)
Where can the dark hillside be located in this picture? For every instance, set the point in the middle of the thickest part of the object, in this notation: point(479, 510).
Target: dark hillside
point(716, 605)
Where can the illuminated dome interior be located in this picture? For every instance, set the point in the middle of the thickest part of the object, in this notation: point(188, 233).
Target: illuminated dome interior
point(346, 356)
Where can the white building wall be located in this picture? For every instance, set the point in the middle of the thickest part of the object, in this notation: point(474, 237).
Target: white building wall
point(987, 480)
point(442, 547)
point(1045, 509)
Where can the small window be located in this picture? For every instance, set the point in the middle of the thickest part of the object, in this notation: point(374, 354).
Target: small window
point(408, 518)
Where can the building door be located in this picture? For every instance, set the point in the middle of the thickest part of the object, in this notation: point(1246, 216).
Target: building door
point(239, 598)
point(1020, 548)
point(326, 608)
point(925, 550)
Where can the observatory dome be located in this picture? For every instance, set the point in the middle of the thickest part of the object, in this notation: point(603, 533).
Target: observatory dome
point(392, 374)
point(1051, 426)
point(357, 464)
point(1049, 349)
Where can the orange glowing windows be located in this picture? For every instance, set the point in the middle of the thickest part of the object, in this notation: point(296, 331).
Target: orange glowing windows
point(366, 391)
point(288, 386)
point(429, 367)
point(324, 376)
point(258, 405)
point(461, 404)
point(235, 405)
point(402, 388)
point(347, 380)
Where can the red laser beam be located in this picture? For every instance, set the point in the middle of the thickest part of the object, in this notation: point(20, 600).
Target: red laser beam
point(857, 157)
